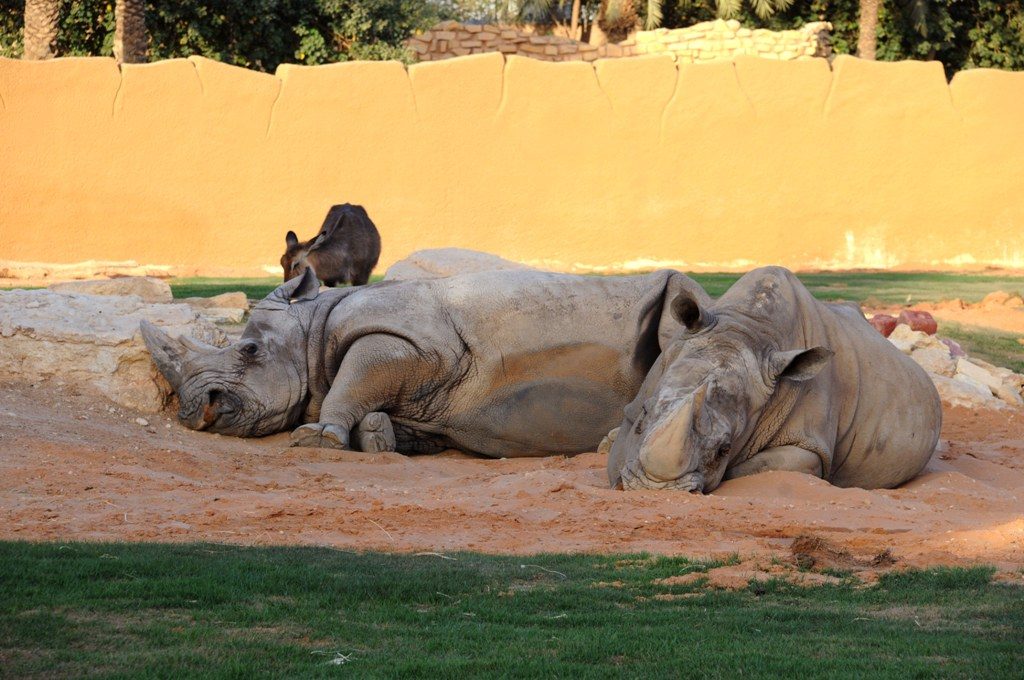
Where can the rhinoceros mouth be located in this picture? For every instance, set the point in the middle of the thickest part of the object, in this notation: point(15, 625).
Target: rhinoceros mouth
point(220, 410)
point(635, 478)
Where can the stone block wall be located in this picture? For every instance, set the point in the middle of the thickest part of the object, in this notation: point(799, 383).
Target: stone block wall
point(703, 42)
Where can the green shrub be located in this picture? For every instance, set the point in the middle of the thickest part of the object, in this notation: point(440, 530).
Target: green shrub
point(959, 33)
point(257, 34)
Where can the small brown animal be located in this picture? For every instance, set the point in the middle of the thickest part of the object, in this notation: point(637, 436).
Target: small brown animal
point(344, 251)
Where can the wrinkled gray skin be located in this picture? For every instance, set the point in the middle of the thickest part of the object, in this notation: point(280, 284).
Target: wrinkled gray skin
point(345, 250)
point(768, 378)
point(512, 363)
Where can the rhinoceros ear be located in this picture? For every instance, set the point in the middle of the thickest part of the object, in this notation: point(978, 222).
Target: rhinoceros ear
point(299, 289)
point(687, 310)
point(290, 239)
point(168, 353)
point(798, 365)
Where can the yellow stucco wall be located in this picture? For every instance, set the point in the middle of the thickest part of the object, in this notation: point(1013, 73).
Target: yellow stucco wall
point(618, 164)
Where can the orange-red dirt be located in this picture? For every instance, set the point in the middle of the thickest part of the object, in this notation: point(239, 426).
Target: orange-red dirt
point(73, 467)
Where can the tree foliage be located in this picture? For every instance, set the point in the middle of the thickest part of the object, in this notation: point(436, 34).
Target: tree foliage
point(959, 33)
point(258, 34)
point(617, 18)
point(762, 8)
point(261, 34)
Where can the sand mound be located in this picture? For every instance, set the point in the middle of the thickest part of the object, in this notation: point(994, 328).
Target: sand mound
point(72, 468)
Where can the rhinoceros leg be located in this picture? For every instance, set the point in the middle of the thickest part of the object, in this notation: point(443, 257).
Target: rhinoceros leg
point(320, 435)
point(371, 375)
point(375, 433)
point(788, 458)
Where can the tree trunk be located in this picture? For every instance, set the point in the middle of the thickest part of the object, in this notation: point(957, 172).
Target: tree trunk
point(131, 44)
point(40, 35)
point(867, 39)
point(574, 24)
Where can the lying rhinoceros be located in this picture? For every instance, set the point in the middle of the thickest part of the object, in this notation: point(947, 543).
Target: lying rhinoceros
point(513, 363)
point(768, 378)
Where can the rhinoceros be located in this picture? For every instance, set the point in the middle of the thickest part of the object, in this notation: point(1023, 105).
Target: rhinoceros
point(769, 378)
point(512, 363)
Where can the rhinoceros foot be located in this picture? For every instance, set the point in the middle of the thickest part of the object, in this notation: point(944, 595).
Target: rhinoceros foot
point(320, 436)
point(375, 433)
point(608, 441)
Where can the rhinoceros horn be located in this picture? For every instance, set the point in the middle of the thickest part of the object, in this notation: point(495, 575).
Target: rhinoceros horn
point(195, 345)
point(168, 353)
point(299, 289)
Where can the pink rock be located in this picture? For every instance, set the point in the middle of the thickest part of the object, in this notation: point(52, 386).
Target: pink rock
point(919, 321)
point(955, 350)
point(883, 323)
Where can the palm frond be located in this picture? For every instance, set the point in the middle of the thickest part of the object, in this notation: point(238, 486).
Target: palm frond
point(728, 8)
point(653, 19)
point(612, 11)
point(763, 8)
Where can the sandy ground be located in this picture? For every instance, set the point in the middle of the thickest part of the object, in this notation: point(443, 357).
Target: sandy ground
point(75, 467)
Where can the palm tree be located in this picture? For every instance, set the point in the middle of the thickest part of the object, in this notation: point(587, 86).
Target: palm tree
point(762, 8)
point(867, 29)
point(617, 12)
point(617, 19)
point(131, 43)
point(40, 33)
point(867, 37)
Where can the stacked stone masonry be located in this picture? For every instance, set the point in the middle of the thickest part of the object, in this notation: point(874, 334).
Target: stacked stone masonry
point(708, 41)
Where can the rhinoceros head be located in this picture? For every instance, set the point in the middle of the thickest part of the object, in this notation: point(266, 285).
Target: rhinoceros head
point(702, 399)
point(254, 387)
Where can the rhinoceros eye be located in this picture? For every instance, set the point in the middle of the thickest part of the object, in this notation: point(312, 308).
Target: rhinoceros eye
point(249, 348)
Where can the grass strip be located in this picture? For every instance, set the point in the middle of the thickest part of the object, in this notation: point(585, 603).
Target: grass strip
point(159, 610)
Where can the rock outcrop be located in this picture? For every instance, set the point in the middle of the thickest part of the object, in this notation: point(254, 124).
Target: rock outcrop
point(92, 342)
point(961, 380)
point(147, 288)
point(441, 262)
point(223, 308)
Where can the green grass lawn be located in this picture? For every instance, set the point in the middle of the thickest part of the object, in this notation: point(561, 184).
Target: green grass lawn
point(887, 287)
point(884, 287)
point(995, 347)
point(200, 286)
point(151, 610)
point(881, 287)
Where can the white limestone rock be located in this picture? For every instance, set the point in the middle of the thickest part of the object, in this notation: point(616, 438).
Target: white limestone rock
point(907, 340)
point(935, 360)
point(964, 391)
point(92, 342)
point(147, 288)
point(236, 300)
point(989, 376)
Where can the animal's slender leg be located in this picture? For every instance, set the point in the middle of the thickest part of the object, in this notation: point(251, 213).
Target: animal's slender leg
point(788, 458)
point(370, 377)
point(360, 279)
point(375, 433)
